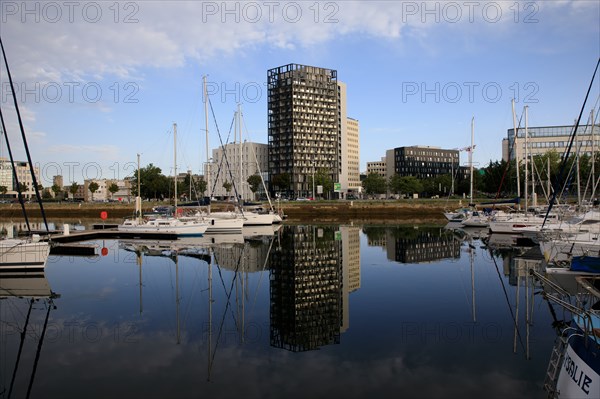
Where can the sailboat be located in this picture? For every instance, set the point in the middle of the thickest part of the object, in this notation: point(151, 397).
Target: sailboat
point(532, 218)
point(178, 225)
point(29, 252)
point(475, 218)
point(218, 222)
point(256, 216)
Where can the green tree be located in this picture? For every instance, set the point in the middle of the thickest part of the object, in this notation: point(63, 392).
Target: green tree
point(93, 187)
point(254, 181)
point(410, 185)
point(73, 189)
point(439, 185)
point(3, 190)
point(202, 186)
point(23, 187)
point(282, 181)
point(227, 186)
point(113, 188)
point(153, 183)
point(322, 178)
point(394, 184)
point(374, 184)
point(56, 189)
point(46, 194)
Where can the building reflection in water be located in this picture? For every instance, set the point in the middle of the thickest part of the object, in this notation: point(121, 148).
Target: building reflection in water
point(415, 244)
point(312, 274)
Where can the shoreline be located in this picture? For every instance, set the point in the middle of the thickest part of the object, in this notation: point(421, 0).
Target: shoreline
point(330, 211)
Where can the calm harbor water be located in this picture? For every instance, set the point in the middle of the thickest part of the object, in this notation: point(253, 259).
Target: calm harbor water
point(307, 311)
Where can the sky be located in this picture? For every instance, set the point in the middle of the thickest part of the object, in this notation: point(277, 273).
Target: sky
point(99, 82)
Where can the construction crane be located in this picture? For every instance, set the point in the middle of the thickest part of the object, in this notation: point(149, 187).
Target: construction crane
point(468, 149)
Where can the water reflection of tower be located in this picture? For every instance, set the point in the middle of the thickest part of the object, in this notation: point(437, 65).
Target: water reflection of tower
point(306, 289)
point(425, 244)
point(350, 269)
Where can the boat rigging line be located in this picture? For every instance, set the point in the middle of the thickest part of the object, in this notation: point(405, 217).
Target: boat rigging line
point(33, 178)
point(508, 302)
point(558, 180)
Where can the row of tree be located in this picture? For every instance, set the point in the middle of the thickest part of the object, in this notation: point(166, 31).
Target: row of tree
point(498, 178)
point(58, 190)
point(155, 185)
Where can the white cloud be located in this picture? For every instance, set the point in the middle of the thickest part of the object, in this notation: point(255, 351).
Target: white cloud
point(166, 33)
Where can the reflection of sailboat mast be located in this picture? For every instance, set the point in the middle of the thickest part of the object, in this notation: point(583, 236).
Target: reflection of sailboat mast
point(527, 314)
point(516, 314)
point(177, 296)
point(473, 281)
point(50, 304)
point(39, 349)
point(139, 262)
point(23, 333)
point(210, 301)
point(243, 297)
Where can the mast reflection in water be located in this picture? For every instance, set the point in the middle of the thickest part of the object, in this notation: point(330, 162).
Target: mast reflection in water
point(305, 311)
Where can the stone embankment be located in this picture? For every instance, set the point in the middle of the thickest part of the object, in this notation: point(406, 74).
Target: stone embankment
point(363, 210)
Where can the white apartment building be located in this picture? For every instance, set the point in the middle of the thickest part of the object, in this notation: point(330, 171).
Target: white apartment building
point(349, 134)
point(541, 139)
point(235, 164)
point(23, 175)
point(378, 167)
point(103, 193)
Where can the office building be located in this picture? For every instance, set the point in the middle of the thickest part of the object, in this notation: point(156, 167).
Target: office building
point(304, 118)
point(229, 166)
point(541, 139)
point(421, 162)
point(23, 172)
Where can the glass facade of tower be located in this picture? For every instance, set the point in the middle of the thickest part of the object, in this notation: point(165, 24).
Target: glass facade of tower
point(424, 162)
point(306, 289)
point(303, 126)
point(541, 139)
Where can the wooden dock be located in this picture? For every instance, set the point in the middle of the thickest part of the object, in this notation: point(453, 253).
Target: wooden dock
point(70, 244)
point(106, 234)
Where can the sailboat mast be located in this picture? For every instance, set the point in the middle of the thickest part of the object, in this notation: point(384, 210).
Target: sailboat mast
point(175, 163)
point(526, 164)
point(31, 170)
point(239, 121)
point(138, 198)
point(207, 168)
point(593, 154)
point(578, 145)
point(471, 159)
point(516, 145)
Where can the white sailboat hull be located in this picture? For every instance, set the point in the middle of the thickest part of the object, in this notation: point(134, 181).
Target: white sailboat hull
point(179, 227)
point(17, 254)
point(224, 222)
point(257, 219)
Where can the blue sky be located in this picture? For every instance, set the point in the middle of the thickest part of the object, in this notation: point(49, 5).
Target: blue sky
point(100, 82)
